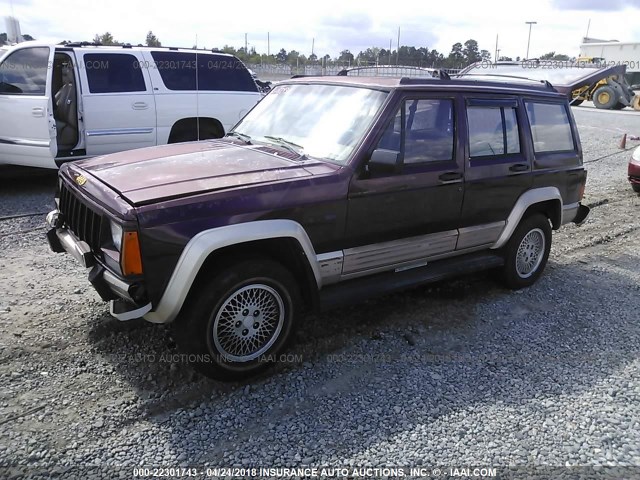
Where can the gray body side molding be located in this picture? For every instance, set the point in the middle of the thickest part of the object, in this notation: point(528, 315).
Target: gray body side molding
point(208, 241)
point(527, 199)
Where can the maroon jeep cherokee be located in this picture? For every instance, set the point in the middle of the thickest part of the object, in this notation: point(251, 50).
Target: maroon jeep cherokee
point(330, 190)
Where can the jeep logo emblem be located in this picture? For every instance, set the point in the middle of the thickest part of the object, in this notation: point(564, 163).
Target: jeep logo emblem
point(81, 180)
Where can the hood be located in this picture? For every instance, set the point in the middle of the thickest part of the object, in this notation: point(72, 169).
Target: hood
point(171, 171)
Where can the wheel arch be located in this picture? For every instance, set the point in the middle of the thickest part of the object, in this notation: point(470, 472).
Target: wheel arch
point(193, 128)
point(546, 200)
point(277, 239)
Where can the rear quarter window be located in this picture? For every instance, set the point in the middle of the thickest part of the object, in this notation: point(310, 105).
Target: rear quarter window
point(550, 127)
point(202, 71)
point(113, 73)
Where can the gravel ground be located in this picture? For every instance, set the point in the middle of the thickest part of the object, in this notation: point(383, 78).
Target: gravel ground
point(456, 374)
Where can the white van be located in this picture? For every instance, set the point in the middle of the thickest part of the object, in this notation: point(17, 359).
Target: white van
point(64, 102)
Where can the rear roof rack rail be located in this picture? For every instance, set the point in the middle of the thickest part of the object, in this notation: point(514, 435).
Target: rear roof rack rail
point(128, 45)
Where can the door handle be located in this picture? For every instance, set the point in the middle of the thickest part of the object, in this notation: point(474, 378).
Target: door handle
point(37, 112)
point(450, 176)
point(519, 167)
point(139, 105)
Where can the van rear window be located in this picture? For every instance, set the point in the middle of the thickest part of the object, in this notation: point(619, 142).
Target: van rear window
point(202, 71)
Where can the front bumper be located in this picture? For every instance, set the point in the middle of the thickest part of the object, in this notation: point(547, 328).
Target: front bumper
point(124, 296)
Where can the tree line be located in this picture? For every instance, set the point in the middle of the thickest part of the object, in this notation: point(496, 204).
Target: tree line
point(461, 54)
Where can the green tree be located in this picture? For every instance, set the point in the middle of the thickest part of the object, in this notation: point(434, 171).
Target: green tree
point(554, 56)
point(152, 40)
point(106, 39)
point(470, 52)
point(281, 56)
point(456, 56)
point(346, 57)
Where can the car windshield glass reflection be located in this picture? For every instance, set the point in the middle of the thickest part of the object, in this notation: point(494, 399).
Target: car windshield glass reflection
point(322, 121)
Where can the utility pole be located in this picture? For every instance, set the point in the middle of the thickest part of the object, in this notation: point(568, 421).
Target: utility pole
point(529, 40)
point(588, 26)
point(389, 52)
point(268, 45)
point(313, 41)
point(497, 49)
point(398, 51)
point(246, 52)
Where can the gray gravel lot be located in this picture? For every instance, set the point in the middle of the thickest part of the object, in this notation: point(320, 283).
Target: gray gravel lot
point(458, 373)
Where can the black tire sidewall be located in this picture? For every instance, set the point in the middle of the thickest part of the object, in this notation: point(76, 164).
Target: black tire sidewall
point(510, 275)
point(196, 322)
point(613, 98)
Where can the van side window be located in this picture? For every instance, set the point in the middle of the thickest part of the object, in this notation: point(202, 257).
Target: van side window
point(113, 73)
point(493, 130)
point(214, 72)
point(24, 72)
point(550, 127)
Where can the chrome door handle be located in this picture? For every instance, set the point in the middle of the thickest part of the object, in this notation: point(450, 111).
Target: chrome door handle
point(37, 112)
point(139, 105)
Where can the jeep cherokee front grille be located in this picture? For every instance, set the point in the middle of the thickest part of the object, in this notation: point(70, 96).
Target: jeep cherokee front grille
point(80, 218)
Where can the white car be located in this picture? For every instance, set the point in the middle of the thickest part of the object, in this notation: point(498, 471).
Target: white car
point(64, 102)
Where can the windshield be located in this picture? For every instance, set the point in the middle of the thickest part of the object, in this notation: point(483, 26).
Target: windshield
point(323, 121)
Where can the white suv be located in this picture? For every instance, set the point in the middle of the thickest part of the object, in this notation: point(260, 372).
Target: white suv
point(63, 102)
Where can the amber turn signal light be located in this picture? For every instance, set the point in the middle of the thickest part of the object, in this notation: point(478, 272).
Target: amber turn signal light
point(130, 258)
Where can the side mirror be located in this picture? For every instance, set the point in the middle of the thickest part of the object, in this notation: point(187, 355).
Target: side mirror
point(384, 162)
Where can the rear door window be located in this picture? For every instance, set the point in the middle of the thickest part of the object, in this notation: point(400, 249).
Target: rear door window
point(550, 127)
point(24, 72)
point(493, 131)
point(114, 73)
point(202, 71)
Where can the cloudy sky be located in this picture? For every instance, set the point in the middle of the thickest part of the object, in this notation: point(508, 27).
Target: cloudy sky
point(334, 24)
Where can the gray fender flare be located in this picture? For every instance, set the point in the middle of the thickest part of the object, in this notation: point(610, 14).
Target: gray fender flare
point(530, 197)
point(206, 242)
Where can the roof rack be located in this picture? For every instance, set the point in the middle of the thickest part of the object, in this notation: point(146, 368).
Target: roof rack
point(128, 45)
point(546, 83)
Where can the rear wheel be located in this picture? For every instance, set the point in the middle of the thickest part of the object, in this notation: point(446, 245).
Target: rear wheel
point(575, 103)
point(619, 106)
point(527, 252)
point(636, 187)
point(605, 97)
point(636, 102)
point(239, 320)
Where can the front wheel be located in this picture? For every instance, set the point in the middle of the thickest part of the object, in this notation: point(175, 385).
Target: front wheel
point(239, 320)
point(636, 187)
point(605, 97)
point(527, 252)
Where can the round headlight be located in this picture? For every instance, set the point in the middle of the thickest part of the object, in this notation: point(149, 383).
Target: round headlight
point(116, 235)
point(635, 157)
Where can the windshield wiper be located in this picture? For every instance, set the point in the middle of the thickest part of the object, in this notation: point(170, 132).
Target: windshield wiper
point(289, 145)
point(241, 136)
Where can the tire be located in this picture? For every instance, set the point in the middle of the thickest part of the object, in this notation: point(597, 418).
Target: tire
point(605, 97)
point(575, 103)
point(263, 295)
point(619, 106)
point(636, 187)
point(527, 252)
point(636, 102)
